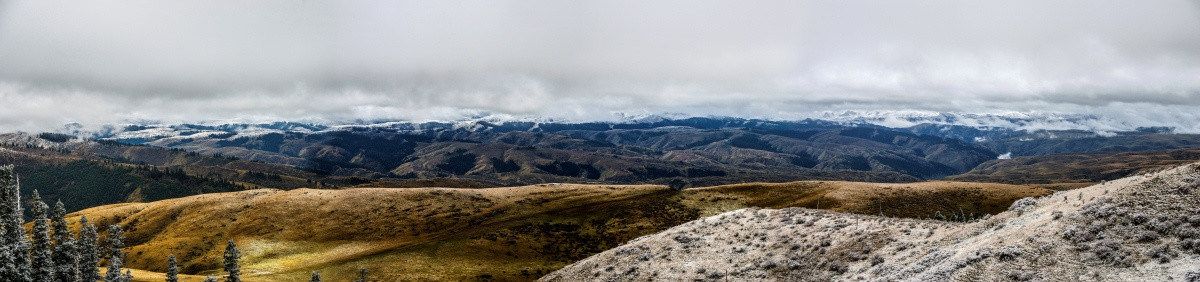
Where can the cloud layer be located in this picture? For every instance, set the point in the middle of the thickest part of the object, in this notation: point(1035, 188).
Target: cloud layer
point(1136, 63)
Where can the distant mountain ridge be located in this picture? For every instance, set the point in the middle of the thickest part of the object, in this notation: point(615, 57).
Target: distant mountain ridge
point(723, 150)
point(969, 127)
point(710, 150)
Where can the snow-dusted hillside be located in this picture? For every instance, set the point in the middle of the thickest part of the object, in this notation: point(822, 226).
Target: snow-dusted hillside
point(1140, 228)
point(970, 127)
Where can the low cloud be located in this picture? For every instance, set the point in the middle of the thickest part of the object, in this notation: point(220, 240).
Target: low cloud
point(1130, 64)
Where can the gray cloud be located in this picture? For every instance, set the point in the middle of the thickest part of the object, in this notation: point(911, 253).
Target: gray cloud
point(110, 61)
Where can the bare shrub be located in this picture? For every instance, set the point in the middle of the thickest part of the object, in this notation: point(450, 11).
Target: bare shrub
point(1023, 204)
point(1022, 275)
point(1009, 253)
point(1193, 276)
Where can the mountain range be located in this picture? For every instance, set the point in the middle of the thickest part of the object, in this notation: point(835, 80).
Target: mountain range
point(480, 153)
point(647, 148)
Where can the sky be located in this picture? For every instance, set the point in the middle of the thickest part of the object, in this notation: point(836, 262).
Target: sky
point(1133, 63)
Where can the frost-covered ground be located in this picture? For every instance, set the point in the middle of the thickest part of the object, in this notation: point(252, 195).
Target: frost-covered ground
point(1141, 228)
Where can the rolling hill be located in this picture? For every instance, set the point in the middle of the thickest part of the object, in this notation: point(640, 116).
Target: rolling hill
point(1139, 228)
point(1076, 168)
point(516, 233)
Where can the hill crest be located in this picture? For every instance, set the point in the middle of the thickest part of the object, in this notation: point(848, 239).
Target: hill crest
point(1144, 227)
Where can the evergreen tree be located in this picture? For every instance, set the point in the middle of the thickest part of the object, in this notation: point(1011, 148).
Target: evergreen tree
point(5, 253)
point(210, 279)
point(172, 269)
point(316, 277)
point(7, 264)
point(66, 255)
point(232, 255)
point(115, 241)
point(15, 265)
point(89, 256)
point(41, 259)
point(66, 260)
point(114, 270)
point(22, 269)
point(362, 275)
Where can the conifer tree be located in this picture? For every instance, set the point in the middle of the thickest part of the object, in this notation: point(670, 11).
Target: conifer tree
point(115, 241)
point(114, 270)
point(14, 266)
point(7, 264)
point(89, 255)
point(41, 261)
point(316, 277)
point(5, 253)
point(210, 279)
point(66, 260)
point(172, 269)
point(232, 255)
point(21, 268)
point(66, 254)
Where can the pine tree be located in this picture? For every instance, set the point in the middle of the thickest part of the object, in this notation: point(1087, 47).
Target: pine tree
point(114, 270)
point(89, 256)
point(66, 260)
point(66, 255)
point(15, 265)
point(22, 267)
point(115, 241)
point(40, 256)
point(210, 279)
point(5, 253)
point(362, 275)
point(172, 269)
point(316, 277)
point(232, 255)
point(7, 265)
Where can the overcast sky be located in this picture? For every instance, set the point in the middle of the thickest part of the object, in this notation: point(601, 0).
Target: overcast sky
point(1137, 62)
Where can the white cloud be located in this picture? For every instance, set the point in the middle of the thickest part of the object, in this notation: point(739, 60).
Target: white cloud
point(1129, 63)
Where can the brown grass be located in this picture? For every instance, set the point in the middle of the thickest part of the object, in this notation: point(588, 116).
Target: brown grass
point(1076, 168)
point(515, 233)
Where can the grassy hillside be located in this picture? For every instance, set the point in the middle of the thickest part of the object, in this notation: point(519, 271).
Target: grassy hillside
point(517, 233)
point(1076, 168)
point(1139, 228)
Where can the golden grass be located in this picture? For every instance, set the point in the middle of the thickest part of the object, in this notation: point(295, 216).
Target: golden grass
point(514, 233)
point(1076, 168)
point(922, 199)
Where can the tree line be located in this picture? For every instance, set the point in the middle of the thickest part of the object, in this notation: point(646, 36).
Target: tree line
point(51, 252)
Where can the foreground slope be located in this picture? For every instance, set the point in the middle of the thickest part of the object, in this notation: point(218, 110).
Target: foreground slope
point(1140, 228)
point(515, 233)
